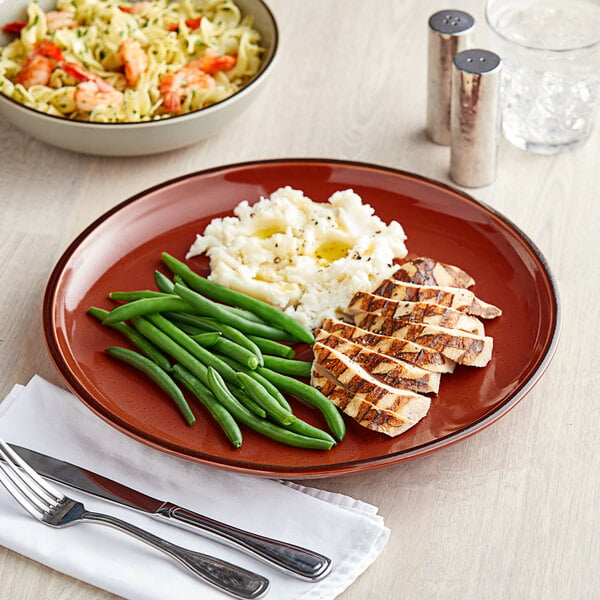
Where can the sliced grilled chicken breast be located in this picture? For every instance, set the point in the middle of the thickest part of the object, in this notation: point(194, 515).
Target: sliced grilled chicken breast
point(426, 358)
point(457, 298)
point(460, 346)
point(426, 271)
point(414, 312)
point(374, 405)
point(367, 414)
point(385, 368)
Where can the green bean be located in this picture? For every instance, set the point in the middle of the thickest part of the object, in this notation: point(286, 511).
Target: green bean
point(304, 428)
point(136, 295)
point(218, 412)
point(242, 414)
point(272, 347)
point(252, 406)
point(229, 348)
point(288, 366)
point(208, 324)
point(166, 344)
point(245, 314)
point(144, 306)
point(279, 397)
point(260, 395)
point(311, 395)
point(191, 330)
point(228, 296)
point(180, 280)
point(207, 339)
point(204, 356)
point(207, 307)
point(240, 312)
point(156, 374)
point(163, 283)
point(201, 323)
point(139, 341)
point(298, 426)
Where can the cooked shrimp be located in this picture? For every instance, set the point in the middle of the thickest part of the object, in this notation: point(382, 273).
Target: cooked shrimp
point(57, 19)
point(39, 64)
point(88, 96)
point(36, 70)
point(211, 63)
point(81, 74)
point(177, 86)
point(135, 60)
point(49, 50)
point(92, 91)
point(137, 8)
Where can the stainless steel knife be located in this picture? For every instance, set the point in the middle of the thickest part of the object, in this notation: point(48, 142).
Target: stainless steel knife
point(298, 561)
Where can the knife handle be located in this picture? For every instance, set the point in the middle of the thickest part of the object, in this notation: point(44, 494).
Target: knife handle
point(301, 562)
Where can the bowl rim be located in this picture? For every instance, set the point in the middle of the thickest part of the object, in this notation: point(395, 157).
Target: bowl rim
point(265, 67)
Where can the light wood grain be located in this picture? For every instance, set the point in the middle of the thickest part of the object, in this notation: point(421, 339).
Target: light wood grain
point(510, 513)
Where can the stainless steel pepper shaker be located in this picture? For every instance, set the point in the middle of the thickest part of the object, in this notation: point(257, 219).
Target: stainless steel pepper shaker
point(475, 118)
point(450, 32)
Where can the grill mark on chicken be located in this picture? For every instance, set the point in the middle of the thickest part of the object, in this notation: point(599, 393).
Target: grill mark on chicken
point(413, 353)
point(414, 312)
point(386, 414)
point(369, 416)
point(463, 347)
point(342, 371)
point(426, 271)
point(457, 298)
point(387, 369)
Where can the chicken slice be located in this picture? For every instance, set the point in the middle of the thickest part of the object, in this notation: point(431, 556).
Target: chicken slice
point(457, 298)
point(374, 405)
point(426, 271)
point(342, 370)
point(460, 346)
point(385, 368)
point(426, 358)
point(414, 312)
point(367, 414)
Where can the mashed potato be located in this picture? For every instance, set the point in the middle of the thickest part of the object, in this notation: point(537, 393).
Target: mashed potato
point(307, 258)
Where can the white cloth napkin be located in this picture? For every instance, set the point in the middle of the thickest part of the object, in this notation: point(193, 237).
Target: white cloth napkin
point(51, 420)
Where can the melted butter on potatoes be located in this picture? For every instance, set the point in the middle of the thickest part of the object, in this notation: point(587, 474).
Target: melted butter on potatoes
point(307, 258)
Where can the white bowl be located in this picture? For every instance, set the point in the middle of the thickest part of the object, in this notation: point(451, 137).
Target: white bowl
point(148, 137)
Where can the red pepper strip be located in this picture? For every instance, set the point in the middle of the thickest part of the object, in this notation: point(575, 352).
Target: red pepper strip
point(14, 27)
point(190, 23)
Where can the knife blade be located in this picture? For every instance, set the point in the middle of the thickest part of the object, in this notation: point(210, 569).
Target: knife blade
point(301, 562)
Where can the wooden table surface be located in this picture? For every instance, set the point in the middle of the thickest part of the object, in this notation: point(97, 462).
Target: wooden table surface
point(511, 512)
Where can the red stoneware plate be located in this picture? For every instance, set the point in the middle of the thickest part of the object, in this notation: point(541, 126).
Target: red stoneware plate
point(121, 250)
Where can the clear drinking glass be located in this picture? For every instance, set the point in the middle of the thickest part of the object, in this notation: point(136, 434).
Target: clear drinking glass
point(551, 74)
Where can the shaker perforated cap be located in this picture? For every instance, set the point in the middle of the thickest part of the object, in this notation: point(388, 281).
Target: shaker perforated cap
point(476, 61)
point(450, 32)
point(451, 22)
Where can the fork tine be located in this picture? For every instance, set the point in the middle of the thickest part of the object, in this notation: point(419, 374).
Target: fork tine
point(20, 481)
point(6, 478)
point(22, 476)
point(44, 489)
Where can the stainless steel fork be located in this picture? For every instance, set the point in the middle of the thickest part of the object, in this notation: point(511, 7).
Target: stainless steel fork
point(48, 504)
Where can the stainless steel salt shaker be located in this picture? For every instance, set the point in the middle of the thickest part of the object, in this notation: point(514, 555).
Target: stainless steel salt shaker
point(450, 32)
point(475, 120)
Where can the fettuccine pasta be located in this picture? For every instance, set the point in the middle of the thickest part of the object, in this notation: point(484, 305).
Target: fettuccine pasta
point(117, 61)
